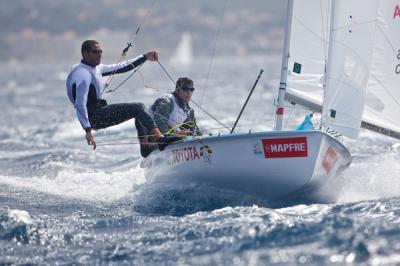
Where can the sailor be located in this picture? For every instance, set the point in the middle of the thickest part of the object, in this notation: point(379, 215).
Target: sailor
point(306, 124)
point(172, 114)
point(85, 88)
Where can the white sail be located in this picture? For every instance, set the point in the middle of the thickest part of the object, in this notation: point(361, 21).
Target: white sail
point(183, 55)
point(349, 57)
point(383, 93)
point(363, 47)
point(308, 50)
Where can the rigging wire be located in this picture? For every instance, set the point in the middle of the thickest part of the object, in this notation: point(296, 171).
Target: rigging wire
point(126, 79)
point(121, 141)
point(129, 44)
point(111, 77)
point(293, 110)
point(124, 51)
point(193, 101)
point(213, 51)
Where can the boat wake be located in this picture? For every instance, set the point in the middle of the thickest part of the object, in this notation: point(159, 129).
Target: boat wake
point(88, 186)
point(374, 178)
point(177, 199)
point(180, 199)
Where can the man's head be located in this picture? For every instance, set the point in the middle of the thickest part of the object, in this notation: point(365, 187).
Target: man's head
point(91, 52)
point(184, 89)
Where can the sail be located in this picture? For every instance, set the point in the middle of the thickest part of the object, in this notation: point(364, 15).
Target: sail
point(357, 83)
point(183, 55)
point(348, 67)
point(308, 50)
point(382, 105)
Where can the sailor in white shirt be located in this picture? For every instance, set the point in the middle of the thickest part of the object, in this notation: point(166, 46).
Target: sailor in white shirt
point(85, 88)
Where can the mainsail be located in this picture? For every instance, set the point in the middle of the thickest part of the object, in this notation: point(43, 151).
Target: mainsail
point(308, 51)
point(345, 54)
point(383, 95)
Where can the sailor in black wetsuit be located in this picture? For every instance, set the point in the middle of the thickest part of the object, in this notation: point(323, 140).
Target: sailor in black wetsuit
point(85, 88)
point(172, 113)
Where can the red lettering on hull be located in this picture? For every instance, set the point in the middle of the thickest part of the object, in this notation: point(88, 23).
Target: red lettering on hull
point(285, 147)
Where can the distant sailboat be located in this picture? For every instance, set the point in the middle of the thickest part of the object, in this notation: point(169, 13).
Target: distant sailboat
point(183, 54)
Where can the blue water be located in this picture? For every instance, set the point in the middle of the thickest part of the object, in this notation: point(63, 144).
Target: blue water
point(62, 203)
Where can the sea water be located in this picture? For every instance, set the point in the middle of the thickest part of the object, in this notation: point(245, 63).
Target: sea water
point(63, 204)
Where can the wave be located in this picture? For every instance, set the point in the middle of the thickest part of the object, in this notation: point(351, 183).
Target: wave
point(84, 185)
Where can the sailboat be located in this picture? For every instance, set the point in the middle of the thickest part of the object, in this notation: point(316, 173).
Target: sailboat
point(342, 59)
point(183, 54)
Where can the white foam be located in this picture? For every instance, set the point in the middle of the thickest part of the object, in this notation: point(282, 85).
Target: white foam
point(91, 185)
point(377, 177)
point(71, 131)
point(68, 130)
point(20, 216)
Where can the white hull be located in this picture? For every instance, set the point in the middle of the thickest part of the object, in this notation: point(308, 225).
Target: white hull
point(268, 164)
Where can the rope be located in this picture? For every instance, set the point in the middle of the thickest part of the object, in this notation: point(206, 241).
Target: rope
point(188, 123)
point(121, 140)
point(193, 101)
point(111, 77)
point(126, 79)
point(166, 72)
point(145, 83)
point(289, 117)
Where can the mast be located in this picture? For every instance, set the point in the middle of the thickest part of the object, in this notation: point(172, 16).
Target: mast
point(284, 68)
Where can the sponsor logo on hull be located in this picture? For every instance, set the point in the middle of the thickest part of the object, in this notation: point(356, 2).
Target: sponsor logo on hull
point(285, 147)
point(191, 153)
point(329, 160)
point(258, 148)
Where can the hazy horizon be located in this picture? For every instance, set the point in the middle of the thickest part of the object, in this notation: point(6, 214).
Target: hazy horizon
point(49, 31)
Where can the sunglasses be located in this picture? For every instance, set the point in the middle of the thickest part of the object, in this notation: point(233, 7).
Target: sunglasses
point(187, 89)
point(96, 51)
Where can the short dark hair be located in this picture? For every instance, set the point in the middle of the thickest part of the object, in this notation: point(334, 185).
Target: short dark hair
point(87, 45)
point(182, 82)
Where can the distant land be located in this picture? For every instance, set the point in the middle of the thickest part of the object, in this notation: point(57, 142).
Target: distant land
point(48, 30)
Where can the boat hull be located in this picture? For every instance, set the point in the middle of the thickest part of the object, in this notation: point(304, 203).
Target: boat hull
point(268, 164)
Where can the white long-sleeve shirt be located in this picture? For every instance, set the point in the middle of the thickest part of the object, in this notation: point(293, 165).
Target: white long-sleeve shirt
point(85, 86)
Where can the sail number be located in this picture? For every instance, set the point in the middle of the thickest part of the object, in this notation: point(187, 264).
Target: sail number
point(398, 65)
